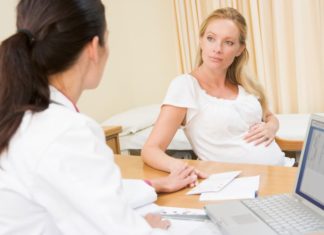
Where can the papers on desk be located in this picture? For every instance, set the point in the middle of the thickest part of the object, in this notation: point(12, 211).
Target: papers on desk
point(187, 227)
point(239, 188)
point(187, 221)
point(225, 186)
point(214, 182)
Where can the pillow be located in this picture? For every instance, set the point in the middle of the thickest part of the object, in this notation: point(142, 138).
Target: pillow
point(135, 119)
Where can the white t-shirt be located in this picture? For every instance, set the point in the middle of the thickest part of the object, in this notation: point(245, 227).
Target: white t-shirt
point(216, 127)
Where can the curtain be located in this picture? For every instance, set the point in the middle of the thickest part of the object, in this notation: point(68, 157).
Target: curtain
point(284, 43)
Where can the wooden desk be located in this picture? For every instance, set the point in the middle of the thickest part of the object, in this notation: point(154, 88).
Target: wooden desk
point(112, 138)
point(273, 180)
point(289, 145)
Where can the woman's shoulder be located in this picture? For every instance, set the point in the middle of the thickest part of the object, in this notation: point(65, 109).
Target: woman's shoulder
point(183, 78)
point(183, 82)
point(181, 92)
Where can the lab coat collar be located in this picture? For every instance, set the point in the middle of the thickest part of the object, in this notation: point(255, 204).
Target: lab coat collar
point(58, 97)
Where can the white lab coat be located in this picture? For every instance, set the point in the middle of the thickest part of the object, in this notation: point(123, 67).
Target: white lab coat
point(59, 177)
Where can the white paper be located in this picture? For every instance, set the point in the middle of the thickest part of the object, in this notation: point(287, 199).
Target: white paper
point(178, 226)
point(138, 193)
point(181, 211)
point(214, 182)
point(189, 227)
point(240, 188)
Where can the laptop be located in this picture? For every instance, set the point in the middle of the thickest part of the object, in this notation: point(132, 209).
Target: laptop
point(298, 213)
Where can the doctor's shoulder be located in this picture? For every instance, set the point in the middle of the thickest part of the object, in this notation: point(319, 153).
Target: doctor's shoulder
point(58, 119)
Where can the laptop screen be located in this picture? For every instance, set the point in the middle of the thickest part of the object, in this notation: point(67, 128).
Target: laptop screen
point(311, 175)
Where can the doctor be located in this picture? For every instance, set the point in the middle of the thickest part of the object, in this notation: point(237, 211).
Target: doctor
point(57, 176)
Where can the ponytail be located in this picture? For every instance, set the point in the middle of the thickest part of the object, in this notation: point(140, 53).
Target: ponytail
point(23, 85)
point(51, 34)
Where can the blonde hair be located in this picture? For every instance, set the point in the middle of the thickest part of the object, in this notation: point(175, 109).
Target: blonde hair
point(235, 72)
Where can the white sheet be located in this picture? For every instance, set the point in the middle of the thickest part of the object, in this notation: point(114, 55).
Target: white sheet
point(134, 120)
point(137, 140)
point(293, 126)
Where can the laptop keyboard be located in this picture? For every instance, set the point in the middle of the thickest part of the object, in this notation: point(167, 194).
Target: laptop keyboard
point(285, 215)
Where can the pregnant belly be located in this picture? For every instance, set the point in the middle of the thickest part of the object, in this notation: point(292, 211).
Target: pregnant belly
point(241, 152)
point(261, 154)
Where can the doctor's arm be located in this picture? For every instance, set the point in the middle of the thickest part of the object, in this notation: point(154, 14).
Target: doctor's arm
point(83, 187)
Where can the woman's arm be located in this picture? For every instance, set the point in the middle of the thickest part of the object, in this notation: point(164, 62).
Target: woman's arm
point(263, 132)
point(166, 126)
point(153, 153)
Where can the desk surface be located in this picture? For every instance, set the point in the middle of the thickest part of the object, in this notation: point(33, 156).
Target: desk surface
point(273, 179)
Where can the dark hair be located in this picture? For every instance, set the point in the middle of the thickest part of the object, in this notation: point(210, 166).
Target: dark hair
point(51, 34)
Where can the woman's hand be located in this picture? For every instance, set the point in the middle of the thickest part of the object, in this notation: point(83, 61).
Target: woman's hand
point(199, 175)
point(261, 133)
point(180, 177)
point(156, 221)
point(179, 163)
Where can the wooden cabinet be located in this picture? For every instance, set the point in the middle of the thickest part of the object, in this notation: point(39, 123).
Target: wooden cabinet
point(112, 139)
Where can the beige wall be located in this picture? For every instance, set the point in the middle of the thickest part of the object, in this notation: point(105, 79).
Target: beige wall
point(7, 18)
point(142, 59)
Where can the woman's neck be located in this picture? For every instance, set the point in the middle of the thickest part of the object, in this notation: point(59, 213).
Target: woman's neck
point(214, 78)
